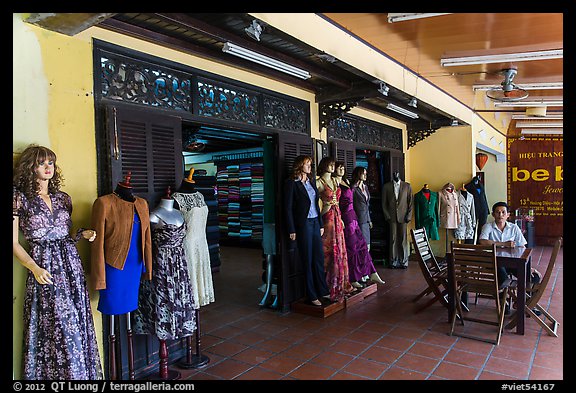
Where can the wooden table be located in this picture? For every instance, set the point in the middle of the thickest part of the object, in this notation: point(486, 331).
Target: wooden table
point(517, 258)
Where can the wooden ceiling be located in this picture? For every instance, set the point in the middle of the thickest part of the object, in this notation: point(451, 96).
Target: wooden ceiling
point(419, 44)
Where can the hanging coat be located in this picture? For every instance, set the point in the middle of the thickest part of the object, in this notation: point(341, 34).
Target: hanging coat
point(467, 224)
point(426, 213)
point(449, 208)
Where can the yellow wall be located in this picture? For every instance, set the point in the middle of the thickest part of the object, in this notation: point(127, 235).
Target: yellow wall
point(444, 157)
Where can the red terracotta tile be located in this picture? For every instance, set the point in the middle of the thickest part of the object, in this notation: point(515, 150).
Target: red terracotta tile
point(366, 337)
point(507, 367)
point(303, 351)
point(332, 359)
point(227, 348)
point(310, 371)
point(417, 363)
point(366, 368)
point(349, 347)
point(489, 375)
point(228, 369)
point(281, 364)
point(397, 373)
point(253, 356)
point(548, 360)
point(394, 342)
point(455, 371)
point(274, 345)
point(465, 358)
point(516, 354)
point(381, 354)
point(429, 350)
point(259, 374)
point(343, 375)
point(442, 339)
point(406, 332)
point(546, 374)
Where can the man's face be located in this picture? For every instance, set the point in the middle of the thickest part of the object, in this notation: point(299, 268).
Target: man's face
point(500, 214)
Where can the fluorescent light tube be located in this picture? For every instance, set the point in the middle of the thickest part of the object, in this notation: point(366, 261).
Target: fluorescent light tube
point(525, 86)
point(529, 103)
point(265, 60)
point(402, 111)
point(399, 17)
point(503, 58)
point(547, 117)
point(539, 124)
point(557, 131)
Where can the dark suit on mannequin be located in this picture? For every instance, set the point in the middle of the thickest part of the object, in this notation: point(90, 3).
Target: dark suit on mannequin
point(308, 238)
point(362, 209)
point(397, 212)
point(480, 202)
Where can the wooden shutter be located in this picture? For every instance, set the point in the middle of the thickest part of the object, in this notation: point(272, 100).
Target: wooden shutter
point(345, 152)
point(149, 145)
point(291, 283)
point(393, 161)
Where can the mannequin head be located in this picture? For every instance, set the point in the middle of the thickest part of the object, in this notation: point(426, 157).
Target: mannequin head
point(340, 172)
point(426, 189)
point(396, 176)
point(36, 163)
point(359, 174)
point(326, 165)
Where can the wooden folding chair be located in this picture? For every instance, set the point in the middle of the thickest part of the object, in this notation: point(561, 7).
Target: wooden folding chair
point(534, 293)
point(433, 272)
point(475, 271)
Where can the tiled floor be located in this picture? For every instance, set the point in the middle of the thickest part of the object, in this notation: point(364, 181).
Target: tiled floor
point(380, 338)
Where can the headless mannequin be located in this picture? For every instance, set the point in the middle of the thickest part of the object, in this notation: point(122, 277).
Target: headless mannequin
point(426, 191)
point(124, 191)
point(164, 214)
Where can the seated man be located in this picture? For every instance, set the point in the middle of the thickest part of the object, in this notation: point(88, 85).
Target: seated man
point(503, 234)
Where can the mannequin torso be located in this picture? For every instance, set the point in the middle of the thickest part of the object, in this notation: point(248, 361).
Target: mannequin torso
point(165, 213)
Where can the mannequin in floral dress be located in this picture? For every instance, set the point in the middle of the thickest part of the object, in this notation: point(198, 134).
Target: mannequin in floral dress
point(59, 336)
point(335, 255)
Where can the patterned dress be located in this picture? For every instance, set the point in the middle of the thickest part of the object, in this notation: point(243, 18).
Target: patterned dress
point(359, 259)
point(195, 212)
point(59, 337)
point(166, 305)
point(335, 255)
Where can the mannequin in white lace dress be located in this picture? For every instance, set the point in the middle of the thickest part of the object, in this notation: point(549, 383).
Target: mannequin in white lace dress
point(195, 211)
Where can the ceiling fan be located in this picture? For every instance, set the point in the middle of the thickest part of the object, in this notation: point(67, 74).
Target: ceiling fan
point(509, 92)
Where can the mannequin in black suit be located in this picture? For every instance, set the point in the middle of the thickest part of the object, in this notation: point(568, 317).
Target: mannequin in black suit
point(304, 225)
point(482, 210)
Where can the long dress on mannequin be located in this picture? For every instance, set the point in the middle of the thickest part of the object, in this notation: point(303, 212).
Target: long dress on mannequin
point(335, 255)
point(195, 212)
point(59, 336)
point(166, 305)
point(360, 263)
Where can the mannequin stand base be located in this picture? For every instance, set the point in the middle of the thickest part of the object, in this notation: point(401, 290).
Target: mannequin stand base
point(197, 361)
point(172, 375)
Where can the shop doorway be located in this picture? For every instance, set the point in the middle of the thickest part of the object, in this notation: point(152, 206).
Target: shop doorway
point(229, 171)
